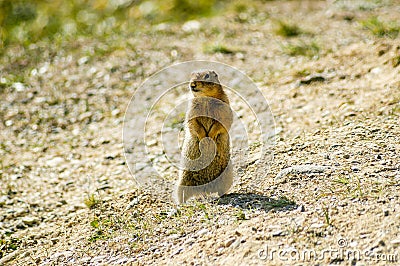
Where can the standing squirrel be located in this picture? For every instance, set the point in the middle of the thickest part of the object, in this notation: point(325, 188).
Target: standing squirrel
point(206, 148)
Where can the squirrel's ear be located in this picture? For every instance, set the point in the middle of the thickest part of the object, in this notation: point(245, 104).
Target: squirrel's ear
point(215, 73)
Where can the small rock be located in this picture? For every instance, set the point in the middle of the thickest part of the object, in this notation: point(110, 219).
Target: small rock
point(317, 225)
point(386, 213)
point(277, 233)
point(395, 242)
point(3, 200)
point(346, 156)
point(191, 25)
point(65, 254)
point(229, 242)
point(202, 232)
point(20, 225)
point(176, 252)
point(18, 86)
point(84, 116)
point(173, 212)
point(120, 261)
point(86, 259)
point(83, 60)
point(313, 78)
point(189, 242)
point(376, 70)
point(98, 259)
point(134, 202)
point(237, 243)
point(220, 250)
point(353, 244)
point(115, 112)
point(30, 220)
point(56, 161)
point(151, 142)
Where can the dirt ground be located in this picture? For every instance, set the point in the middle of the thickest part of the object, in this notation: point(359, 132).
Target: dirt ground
point(68, 198)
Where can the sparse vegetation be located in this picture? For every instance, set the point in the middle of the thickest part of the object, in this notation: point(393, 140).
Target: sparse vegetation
point(302, 48)
point(91, 201)
point(286, 29)
point(327, 217)
point(281, 202)
point(218, 48)
point(8, 244)
point(381, 28)
point(240, 215)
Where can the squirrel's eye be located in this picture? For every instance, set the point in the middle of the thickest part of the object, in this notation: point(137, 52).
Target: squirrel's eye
point(206, 76)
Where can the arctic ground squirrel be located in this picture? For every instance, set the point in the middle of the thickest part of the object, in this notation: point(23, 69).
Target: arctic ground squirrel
point(206, 162)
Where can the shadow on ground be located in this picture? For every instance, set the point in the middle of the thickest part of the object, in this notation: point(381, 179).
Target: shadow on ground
point(252, 201)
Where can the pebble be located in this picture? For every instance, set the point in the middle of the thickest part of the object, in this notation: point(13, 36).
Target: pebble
point(202, 232)
point(191, 25)
point(115, 112)
point(18, 86)
point(376, 70)
point(85, 115)
point(65, 254)
point(176, 252)
point(120, 261)
point(98, 259)
point(229, 242)
point(83, 60)
point(313, 78)
point(85, 259)
point(56, 161)
point(277, 233)
point(30, 220)
point(20, 225)
point(395, 242)
point(134, 202)
point(236, 243)
point(3, 200)
point(317, 225)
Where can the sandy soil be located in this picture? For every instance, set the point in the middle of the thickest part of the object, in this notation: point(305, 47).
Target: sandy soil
point(68, 198)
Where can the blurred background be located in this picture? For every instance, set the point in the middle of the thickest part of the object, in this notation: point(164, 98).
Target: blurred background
point(24, 22)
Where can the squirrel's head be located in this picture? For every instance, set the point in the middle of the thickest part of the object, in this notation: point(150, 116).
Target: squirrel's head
point(205, 83)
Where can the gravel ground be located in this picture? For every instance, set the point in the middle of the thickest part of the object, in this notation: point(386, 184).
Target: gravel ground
point(68, 198)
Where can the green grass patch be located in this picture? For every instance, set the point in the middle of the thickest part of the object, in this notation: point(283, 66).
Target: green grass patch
point(281, 202)
point(91, 201)
point(380, 28)
point(286, 29)
point(8, 245)
point(344, 180)
point(302, 49)
point(328, 220)
point(240, 215)
point(218, 48)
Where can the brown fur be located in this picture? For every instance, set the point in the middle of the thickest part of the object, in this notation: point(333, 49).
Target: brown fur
point(206, 143)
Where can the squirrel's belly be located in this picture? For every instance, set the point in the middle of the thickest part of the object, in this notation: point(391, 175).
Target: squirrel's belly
point(214, 169)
